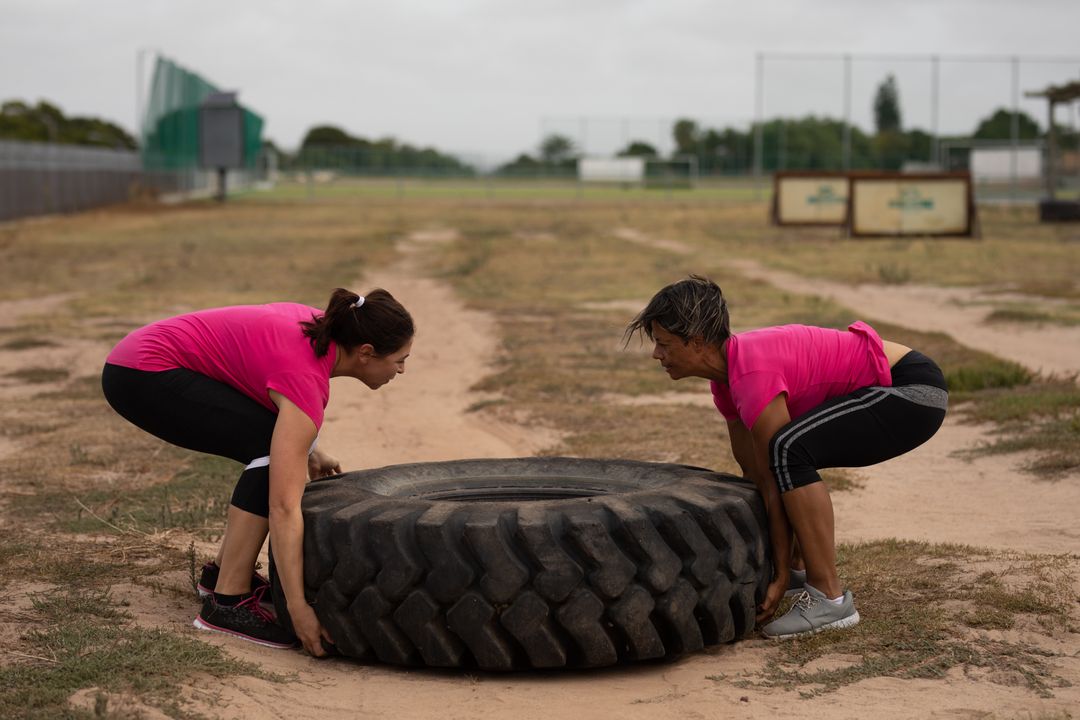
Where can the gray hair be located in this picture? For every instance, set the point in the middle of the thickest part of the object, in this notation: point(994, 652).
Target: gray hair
point(690, 307)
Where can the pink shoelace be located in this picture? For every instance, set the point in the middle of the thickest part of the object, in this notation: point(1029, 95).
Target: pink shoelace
point(252, 603)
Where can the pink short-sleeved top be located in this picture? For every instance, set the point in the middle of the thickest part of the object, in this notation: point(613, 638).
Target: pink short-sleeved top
point(809, 364)
point(253, 348)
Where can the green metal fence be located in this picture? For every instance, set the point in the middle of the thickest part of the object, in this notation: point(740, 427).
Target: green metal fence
point(170, 131)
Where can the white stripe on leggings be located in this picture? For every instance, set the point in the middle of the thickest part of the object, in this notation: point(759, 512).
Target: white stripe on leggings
point(264, 461)
point(807, 424)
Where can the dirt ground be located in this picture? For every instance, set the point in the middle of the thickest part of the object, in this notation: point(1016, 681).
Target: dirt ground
point(930, 494)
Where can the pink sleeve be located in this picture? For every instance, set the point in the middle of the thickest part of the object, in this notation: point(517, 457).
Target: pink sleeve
point(307, 391)
point(721, 397)
point(753, 391)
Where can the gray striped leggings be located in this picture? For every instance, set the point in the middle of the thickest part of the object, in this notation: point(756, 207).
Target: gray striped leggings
point(865, 427)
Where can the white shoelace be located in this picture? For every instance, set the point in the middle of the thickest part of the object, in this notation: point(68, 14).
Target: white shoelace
point(805, 601)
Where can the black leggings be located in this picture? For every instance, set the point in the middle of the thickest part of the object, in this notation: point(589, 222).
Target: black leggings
point(868, 426)
point(196, 412)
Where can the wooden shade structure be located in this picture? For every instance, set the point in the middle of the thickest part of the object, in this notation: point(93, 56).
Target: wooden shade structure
point(1055, 95)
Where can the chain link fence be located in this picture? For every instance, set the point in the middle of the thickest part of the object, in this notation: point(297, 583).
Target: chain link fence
point(44, 178)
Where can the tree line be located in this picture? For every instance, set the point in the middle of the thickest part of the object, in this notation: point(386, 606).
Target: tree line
point(330, 147)
point(324, 146)
point(810, 143)
point(45, 122)
point(807, 143)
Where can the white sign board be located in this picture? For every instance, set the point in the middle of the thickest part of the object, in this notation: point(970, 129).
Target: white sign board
point(811, 200)
point(612, 170)
point(901, 206)
point(989, 164)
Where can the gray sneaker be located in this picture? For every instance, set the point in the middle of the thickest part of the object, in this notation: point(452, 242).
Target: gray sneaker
point(813, 613)
point(796, 581)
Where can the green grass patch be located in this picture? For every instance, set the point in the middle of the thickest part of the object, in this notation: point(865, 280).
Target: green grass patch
point(922, 607)
point(39, 557)
point(26, 343)
point(841, 480)
point(1015, 251)
point(38, 375)
point(84, 639)
point(79, 635)
point(1043, 417)
point(194, 499)
point(83, 388)
point(1019, 315)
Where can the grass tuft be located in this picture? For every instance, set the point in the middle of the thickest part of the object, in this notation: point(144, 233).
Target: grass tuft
point(84, 639)
point(38, 375)
point(917, 599)
point(26, 343)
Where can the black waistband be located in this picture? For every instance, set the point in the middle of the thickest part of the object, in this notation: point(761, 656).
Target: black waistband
point(917, 369)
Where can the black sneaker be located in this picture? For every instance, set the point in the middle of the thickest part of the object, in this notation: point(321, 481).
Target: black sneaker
point(208, 579)
point(245, 620)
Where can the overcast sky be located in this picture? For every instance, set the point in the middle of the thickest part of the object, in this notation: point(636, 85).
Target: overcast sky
point(486, 78)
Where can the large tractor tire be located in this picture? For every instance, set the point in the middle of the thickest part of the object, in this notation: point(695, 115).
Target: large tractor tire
point(532, 562)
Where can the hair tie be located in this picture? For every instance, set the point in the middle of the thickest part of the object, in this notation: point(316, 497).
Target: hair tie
point(359, 302)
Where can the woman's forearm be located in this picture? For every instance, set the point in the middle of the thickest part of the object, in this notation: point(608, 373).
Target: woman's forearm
point(779, 526)
point(287, 542)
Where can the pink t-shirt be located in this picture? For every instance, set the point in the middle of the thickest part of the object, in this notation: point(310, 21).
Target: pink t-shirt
point(253, 348)
point(810, 364)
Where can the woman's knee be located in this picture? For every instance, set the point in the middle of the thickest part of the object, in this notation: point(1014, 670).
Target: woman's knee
point(252, 491)
point(790, 462)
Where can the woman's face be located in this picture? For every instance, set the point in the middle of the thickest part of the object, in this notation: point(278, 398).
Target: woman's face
point(377, 370)
point(677, 356)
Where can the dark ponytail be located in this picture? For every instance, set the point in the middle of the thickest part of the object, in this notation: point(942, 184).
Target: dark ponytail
point(380, 321)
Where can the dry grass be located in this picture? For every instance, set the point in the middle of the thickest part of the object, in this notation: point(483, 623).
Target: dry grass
point(89, 503)
point(927, 609)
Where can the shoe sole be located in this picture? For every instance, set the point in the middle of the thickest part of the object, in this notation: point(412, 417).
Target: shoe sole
point(840, 624)
point(203, 625)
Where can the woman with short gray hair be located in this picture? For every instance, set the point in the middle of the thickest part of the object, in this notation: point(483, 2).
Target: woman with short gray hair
point(798, 399)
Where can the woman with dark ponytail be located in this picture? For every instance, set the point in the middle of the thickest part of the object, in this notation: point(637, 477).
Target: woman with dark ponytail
point(251, 383)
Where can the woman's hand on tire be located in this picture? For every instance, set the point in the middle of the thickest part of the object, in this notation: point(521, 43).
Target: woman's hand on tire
point(321, 465)
point(773, 595)
point(309, 630)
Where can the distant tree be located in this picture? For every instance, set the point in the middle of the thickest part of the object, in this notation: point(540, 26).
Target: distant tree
point(887, 106)
point(920, 145)
point(330, 147)
point(638, 148)
point(891, 149)
point(523, 164)
point(999, 126)
point(326, 135)
point(686, 135)
point(45, 122)
point(556, 149)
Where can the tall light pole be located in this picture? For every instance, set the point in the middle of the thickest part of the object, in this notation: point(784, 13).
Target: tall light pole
point(140, 89)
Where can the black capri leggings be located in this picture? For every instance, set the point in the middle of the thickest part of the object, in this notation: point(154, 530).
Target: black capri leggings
point(196, 412)
point(868, 426)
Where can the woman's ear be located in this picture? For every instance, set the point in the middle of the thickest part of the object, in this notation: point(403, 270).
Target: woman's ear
point(367, 350)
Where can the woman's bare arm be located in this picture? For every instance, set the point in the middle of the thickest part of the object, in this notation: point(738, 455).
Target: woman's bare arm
point(293, 434)
point(772, 418)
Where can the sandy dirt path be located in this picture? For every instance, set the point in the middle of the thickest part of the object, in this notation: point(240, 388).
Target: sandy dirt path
point(422, 416)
